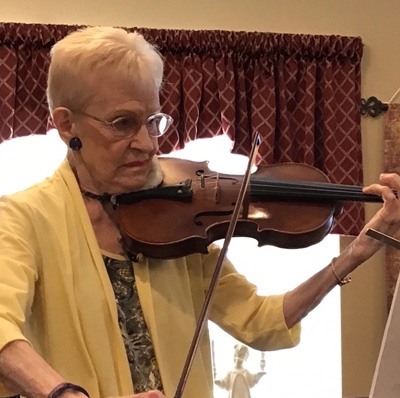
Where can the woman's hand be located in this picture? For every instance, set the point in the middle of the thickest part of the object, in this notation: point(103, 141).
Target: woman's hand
point(386, 220)
point(390, 212)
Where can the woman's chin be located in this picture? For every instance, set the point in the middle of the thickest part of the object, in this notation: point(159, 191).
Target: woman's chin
point(154, 177)
point(148, 180)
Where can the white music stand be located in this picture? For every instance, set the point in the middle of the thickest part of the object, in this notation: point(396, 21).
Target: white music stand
point(386, 380)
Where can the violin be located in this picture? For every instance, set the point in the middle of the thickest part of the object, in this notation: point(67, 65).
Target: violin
point(287, 205)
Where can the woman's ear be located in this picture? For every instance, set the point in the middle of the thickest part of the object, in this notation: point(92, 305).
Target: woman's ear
point(62, 119)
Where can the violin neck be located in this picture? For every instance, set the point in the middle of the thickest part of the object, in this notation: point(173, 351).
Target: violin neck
point(308, 191)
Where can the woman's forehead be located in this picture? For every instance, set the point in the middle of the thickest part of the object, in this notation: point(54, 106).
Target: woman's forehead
point(116, 93)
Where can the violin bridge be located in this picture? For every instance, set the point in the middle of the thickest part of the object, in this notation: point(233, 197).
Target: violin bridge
point(202, 180)
point(217, 190)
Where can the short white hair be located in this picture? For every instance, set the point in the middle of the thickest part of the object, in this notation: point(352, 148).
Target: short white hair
point(86, 52)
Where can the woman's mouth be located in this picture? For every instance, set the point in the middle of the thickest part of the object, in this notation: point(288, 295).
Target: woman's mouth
point(136, 163)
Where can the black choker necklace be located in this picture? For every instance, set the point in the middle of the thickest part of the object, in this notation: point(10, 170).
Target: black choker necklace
point(104, 198)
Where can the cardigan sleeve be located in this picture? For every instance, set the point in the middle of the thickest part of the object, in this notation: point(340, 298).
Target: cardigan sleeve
point(18, 270)
point(255, 320)
point(18, 273)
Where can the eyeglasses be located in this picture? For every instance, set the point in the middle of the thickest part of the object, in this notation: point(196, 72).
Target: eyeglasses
point(127, 126)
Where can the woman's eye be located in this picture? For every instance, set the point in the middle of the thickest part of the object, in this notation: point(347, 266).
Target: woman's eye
point(124, 124)
point(151, 122)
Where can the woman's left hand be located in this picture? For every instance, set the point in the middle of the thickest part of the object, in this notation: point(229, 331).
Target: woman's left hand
point(390, 212)
point(386, 220)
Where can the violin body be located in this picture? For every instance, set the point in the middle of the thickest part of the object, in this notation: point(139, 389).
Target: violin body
point(166, 228)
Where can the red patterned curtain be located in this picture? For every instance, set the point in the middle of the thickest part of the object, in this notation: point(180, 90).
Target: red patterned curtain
point(301, 93)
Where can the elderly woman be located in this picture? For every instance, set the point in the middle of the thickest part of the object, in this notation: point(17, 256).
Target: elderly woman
point(77, 317)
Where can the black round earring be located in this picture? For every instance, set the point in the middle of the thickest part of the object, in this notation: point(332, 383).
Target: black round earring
point(75, 144)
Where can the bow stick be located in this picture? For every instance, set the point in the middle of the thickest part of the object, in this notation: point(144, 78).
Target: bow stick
point(383, 238)
point(217, 272)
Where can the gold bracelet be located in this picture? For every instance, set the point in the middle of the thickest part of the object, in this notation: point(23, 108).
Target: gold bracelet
point(340, 282)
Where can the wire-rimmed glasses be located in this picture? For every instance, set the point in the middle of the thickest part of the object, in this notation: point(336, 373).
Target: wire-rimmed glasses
point(127, 126)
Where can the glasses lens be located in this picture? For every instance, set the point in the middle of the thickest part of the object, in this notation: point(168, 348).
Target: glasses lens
point(158, 124)
point(126, 124)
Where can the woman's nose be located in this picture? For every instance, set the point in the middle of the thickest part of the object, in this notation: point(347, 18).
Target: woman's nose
point(143, 141)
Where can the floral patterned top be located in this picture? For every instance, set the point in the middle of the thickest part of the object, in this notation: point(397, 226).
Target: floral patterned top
point(138, 344)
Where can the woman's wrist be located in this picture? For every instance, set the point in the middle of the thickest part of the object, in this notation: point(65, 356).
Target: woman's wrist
point(65, 387)
point(341, 280)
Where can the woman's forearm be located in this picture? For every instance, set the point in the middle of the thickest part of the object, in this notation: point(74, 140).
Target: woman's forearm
point(23, 371)
point(304, 298)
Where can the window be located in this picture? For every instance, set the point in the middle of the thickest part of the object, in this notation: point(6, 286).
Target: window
point(29, 160)
point(313, 368)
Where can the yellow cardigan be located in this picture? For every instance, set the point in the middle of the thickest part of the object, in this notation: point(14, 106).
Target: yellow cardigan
point(56, 294)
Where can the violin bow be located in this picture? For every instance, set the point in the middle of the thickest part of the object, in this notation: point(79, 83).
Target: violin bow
point(388, 240)
point(217, 272)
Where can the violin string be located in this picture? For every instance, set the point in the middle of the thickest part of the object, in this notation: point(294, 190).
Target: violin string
point(307, 184)
point(316, 194)
point(306, 190)
point(318, 197)
point(307, 187)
